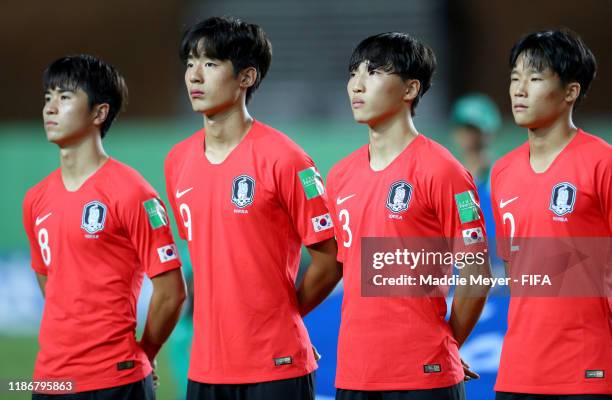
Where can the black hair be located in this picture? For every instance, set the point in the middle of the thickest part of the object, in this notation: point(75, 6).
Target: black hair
point(563, 51)
point(397, 53)
point(101, 81)
point(227, 38)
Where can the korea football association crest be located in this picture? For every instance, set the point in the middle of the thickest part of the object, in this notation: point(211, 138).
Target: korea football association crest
point(243, 191)
point(94, 217)
point(399, 196)
point(563, 198)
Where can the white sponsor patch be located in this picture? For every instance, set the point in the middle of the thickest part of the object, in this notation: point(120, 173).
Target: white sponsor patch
point(322, 222)
point(472, 236)
point(167, 253)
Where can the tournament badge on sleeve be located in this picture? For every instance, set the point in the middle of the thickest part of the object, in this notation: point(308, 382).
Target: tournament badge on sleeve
point(156, 213)
point(93, 217)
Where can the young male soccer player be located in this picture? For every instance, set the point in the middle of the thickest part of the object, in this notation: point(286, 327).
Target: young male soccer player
point(556, 185)
point(95, 226)
point(246, 197)
point(401, 184)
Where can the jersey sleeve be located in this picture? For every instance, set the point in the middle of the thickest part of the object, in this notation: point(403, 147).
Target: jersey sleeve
point(37, 262)
point(603, 185)
point(146, 222)
point(331, 193)
point(501, 240)
point(302, 193)
point(455, 202)
point(170, 190)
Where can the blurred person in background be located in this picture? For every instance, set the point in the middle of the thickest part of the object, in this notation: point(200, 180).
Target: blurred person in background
point(476, 120)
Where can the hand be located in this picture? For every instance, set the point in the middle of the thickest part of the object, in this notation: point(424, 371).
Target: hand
point(469, 374)
point(317, 355)
point(155, 376)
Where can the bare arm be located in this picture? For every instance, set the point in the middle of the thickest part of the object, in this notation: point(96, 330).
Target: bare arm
point(164, 310)
point(469, 300)
point(322, 275)
point(42, 282)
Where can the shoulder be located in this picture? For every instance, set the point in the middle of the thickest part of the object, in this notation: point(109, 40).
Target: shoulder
point(38, 191)
point(178, 150)
point(505, 162)
point(276, 145)
point(593, 147)
point(128, 184)
point(348, 164)
point(437, 162)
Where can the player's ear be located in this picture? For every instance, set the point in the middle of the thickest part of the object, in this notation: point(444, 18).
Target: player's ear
point(572, 91)
point(100, 113)
point(412, 89)
point(248, 77)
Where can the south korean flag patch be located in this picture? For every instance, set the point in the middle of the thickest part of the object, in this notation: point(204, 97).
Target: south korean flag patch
point(562, 198)
point(472, 236)
point(322, 223)
point(167, 253)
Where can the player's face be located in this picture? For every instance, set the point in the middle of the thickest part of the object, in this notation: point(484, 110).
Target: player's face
point(538, 97)
point(66, 115)
point(211, 84)
point(375, 95)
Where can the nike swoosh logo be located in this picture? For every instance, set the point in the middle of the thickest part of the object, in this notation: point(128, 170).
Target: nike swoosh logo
point(40, 220)
point(503, 204)
point(184, 192)
point(341, 200)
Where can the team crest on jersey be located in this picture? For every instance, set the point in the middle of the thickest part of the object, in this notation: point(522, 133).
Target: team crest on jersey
point(562, 198)
point(399, 196)
point(94, 216)
point(243, 191)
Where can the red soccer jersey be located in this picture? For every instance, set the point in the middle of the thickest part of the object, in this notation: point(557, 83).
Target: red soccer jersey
point(555, 345)
point(245, 220)
point(94, 245)
point(398, 343)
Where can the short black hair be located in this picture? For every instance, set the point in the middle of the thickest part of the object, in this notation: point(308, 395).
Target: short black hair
point(397, 53)
point(101, 81)
point(563, 51)
point(227, 38)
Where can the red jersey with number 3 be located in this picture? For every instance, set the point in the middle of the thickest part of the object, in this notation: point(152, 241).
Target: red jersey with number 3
point(245, 220)
point(399, 343)
point(555, 345)
point(94, 245)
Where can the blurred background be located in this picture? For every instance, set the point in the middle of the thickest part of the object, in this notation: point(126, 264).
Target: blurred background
point(303, 95)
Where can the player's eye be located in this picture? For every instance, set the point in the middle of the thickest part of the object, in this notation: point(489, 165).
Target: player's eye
point(533, 79)
point(210, 65)
point(65, 97)
point(351, 74)
point(374, 72)
point(189, 64)
point(47, 99)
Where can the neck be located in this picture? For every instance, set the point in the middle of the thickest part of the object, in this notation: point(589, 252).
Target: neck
point(81, 159)
point(389, 138)
point(551, 139)
point(226, 129)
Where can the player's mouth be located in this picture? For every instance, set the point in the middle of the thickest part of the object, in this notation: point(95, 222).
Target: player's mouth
point(519, 107)
point(196, 94)
point(357, 103)
point(50, 123)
